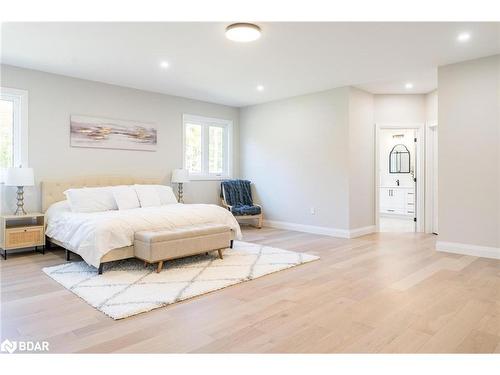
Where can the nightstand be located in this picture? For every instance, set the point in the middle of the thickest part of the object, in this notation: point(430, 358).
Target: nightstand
point(18, 232)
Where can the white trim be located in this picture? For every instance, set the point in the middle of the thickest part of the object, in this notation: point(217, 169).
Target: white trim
point(467, 249)
point(20, 99)
point(326, 231)
point(399, 125)
point(228, 154)
point(420, 159)
point(342, 233)
point(363, 231)
point(431, 194)
point(205, 119)
point(201, 177)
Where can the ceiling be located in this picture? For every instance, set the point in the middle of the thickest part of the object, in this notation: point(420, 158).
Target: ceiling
point(423, 81)
point(291, 58)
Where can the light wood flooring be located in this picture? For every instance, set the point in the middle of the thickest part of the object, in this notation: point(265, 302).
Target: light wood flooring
point(379, 293)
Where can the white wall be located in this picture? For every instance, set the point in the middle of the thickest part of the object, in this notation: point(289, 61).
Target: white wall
point(399, 109)
point(431, 107)
point(361, 159)
point(312, 151)
point(296, 152)
point(469, 158)
point(431, 165)
point(53, 98)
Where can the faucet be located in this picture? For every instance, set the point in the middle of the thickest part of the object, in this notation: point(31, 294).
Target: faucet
point(397, 182)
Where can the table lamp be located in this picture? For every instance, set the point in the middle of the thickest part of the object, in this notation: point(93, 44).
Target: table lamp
point(180, 176)
point(20, 177)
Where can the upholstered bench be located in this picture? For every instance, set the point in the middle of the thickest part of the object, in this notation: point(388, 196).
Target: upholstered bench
point(165, 244)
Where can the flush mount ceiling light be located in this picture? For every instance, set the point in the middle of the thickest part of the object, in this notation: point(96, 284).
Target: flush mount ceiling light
point(243, 32)
point(463, 37)
point(260, 88)
point(408, 85)
point(164, 64)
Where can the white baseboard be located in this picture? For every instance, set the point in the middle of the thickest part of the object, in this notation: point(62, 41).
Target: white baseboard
point(467, 249)
point(343, 233)
point(363, 231)
point(326, 231)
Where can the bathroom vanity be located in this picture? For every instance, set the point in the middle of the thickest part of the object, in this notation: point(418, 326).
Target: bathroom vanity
point(397, 200)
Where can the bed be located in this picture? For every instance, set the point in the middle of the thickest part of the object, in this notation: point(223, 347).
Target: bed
point(103, 237)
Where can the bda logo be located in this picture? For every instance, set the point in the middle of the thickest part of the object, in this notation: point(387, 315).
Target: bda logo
point(24, 346)
point(8, 346)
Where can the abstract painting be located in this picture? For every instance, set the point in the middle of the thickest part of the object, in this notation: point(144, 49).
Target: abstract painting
point(116, 134)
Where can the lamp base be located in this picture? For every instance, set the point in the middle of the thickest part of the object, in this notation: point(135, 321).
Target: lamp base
point(20, 202)
point(180, 192)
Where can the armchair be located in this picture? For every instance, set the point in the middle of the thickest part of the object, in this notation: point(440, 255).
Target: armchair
point(236, 196)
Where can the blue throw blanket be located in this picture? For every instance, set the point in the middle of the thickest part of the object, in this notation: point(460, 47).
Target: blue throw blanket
point(238, 194)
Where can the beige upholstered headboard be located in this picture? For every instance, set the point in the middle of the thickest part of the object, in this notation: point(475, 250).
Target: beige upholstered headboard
point(53, 191)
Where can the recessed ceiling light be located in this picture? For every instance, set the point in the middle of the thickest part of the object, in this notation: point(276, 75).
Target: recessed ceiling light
point(408, 85)
point(243, 32)
point(463, 37)
point(164, 64)
point(260, 88)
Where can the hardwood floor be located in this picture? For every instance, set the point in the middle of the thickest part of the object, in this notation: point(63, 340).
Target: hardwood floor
point(379, 293)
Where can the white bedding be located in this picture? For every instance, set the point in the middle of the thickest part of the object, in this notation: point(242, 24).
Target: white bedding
point(92, 235)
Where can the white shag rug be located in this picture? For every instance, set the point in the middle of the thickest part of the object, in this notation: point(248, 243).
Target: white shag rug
point(128, 288)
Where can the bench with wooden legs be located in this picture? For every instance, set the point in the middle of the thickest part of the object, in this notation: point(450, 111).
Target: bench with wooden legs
point(159, 265)
point(158, 246)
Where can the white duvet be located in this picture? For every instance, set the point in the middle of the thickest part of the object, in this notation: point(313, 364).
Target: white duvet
point(92, 235)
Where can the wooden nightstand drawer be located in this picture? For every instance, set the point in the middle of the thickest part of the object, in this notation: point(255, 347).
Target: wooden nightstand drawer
point(24, 237)
point(22, 231)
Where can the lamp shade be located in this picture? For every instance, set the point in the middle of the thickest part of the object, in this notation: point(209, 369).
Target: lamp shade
point(19, 177)
point(180, 176)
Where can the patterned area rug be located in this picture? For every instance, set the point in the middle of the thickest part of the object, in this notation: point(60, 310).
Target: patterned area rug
point(128, 288)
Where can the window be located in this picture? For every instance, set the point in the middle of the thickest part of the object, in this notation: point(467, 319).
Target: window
point(13, 128)
point(207, 147)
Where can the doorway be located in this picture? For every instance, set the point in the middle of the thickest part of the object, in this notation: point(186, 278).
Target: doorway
point(399, 190)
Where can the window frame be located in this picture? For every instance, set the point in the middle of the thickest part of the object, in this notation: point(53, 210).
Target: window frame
point(227, 160)
point(20, 126)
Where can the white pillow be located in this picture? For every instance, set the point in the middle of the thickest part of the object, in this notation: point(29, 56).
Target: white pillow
point(96, 199)
point(125, 197)
point(148, 195)
point(166, 194)
point(56, 208)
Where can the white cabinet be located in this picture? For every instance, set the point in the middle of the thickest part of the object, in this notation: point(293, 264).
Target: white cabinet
point(410, 203)
point(397, 201)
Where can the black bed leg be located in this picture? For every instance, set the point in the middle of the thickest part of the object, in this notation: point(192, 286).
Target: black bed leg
point(48, 244)
point(231, 244)
point(99, 270)
point(68, 255)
